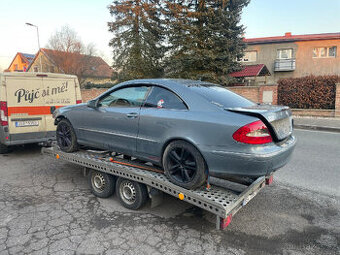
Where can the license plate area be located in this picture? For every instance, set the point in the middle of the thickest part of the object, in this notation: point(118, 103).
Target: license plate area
point(282, 127)
point(27, 123)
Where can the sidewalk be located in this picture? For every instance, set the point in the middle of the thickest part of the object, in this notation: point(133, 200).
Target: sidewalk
point(315, 123)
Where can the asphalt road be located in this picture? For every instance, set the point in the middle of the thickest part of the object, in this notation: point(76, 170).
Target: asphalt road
point(46, 207)
point(315, 164)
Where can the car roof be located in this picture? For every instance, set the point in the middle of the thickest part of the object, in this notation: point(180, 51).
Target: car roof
point(169, 83)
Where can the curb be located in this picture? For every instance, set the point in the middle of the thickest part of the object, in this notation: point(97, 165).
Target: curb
point(311, 127)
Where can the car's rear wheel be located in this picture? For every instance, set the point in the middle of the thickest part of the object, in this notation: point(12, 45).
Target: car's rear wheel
point(184, 165)
point(66, 137)
point(3, 149)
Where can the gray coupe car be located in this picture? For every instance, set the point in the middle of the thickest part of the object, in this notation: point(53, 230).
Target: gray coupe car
point(190, 128)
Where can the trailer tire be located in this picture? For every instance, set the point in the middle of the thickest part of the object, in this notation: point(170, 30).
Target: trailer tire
point(132, 195)
point(102, 184)
point(66, 136)
point(3, 148)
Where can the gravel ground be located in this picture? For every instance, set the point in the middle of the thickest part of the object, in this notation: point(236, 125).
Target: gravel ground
point(46, 208)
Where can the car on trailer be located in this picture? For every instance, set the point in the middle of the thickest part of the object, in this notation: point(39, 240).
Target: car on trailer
point(192, 129)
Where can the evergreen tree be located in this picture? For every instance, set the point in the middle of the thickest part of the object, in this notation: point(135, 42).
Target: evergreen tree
point(205, 38)
point(137, 38)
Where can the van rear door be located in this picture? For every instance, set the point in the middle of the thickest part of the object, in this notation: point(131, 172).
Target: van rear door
point(61, 90)
point(26, 111)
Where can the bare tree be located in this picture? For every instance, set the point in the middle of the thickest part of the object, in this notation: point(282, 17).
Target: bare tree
point(70, 54)
point(66, 39)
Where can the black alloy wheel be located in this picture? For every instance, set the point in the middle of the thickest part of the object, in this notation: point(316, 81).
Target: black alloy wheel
point(66, 137)
point(184, 165)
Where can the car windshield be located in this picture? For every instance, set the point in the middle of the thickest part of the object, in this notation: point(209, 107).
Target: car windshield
point(221, 96)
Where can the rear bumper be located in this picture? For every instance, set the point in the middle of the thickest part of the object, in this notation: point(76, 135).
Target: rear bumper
point(259, 163)
point(24, 138)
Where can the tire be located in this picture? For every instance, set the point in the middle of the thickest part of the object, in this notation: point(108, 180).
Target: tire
point(102, 184)
point(131, 194)
point(66, 136)
point(3, 148)
point(184, 165)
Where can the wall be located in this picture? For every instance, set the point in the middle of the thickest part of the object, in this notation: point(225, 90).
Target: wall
point(46, 64)
point(258, 94)
point(337, 101)
point(266, 54)
point(306, 64)
point(20, 64)
point(88, 94)
point(303, 53)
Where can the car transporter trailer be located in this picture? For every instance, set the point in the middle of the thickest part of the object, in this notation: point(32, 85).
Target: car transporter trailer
point(136, 182)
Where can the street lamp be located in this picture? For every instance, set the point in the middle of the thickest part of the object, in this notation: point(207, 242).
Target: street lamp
point(30, 24)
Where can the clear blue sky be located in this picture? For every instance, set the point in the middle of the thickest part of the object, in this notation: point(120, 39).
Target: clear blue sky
point(89, 18)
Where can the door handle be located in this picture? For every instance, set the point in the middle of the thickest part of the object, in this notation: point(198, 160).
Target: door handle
point(132, 115)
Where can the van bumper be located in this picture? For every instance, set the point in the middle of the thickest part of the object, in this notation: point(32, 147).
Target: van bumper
point(24, 138)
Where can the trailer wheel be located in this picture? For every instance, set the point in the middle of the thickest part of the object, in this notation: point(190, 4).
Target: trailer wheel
point(3, 149)
point(102, 184)
point(131, 194)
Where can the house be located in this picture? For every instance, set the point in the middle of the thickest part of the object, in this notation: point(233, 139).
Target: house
point(89, 69)
point(20, 62)
point(294, 55)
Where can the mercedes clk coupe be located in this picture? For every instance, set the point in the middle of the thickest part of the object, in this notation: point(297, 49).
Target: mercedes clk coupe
point(191, 129)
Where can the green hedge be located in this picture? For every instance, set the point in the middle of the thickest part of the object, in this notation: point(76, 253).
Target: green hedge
point(310, 92)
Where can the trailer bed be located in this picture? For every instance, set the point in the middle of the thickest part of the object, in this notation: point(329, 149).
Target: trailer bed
point(223, 198)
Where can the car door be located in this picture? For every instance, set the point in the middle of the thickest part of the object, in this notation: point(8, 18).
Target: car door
point(162, 113)
point(114, 123)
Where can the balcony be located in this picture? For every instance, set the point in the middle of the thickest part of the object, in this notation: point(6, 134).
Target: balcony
point(284, 65)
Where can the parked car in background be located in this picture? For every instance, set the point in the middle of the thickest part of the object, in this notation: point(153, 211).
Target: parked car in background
point(27, 101)
point(190, 128)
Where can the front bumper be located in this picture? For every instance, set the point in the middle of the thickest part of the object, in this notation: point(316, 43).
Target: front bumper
point(258, 163)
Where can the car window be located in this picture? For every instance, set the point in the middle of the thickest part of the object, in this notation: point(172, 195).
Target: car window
point(221, 96)
point(163, 98)
point(125, 97)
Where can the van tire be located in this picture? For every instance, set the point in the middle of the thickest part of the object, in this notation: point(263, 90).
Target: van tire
point(3, 148)
point(66, 136)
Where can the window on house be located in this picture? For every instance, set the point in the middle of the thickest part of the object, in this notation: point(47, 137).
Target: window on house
point(324, 52)
point(51, 69)
point(249, 56)
point(284, 53)
point(16, 67)
point(35, 69)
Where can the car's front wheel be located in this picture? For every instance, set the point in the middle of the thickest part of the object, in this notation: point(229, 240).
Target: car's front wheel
point(66, 137)
point(184, 165)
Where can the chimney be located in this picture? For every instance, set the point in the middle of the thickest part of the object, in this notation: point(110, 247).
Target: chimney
point(288, 34)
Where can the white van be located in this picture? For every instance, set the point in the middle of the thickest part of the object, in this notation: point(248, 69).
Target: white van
point(27, 101)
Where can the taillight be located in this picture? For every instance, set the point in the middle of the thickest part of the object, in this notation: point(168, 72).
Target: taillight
point(253, 133)
point(3, 114)
point(79, 101)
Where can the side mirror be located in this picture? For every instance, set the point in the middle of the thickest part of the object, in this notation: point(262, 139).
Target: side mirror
point(92, 104)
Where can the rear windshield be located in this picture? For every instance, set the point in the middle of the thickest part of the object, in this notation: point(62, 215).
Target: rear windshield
point(221, 96)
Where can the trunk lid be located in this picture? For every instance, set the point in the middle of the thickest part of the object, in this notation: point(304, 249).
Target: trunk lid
point(278, 119)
